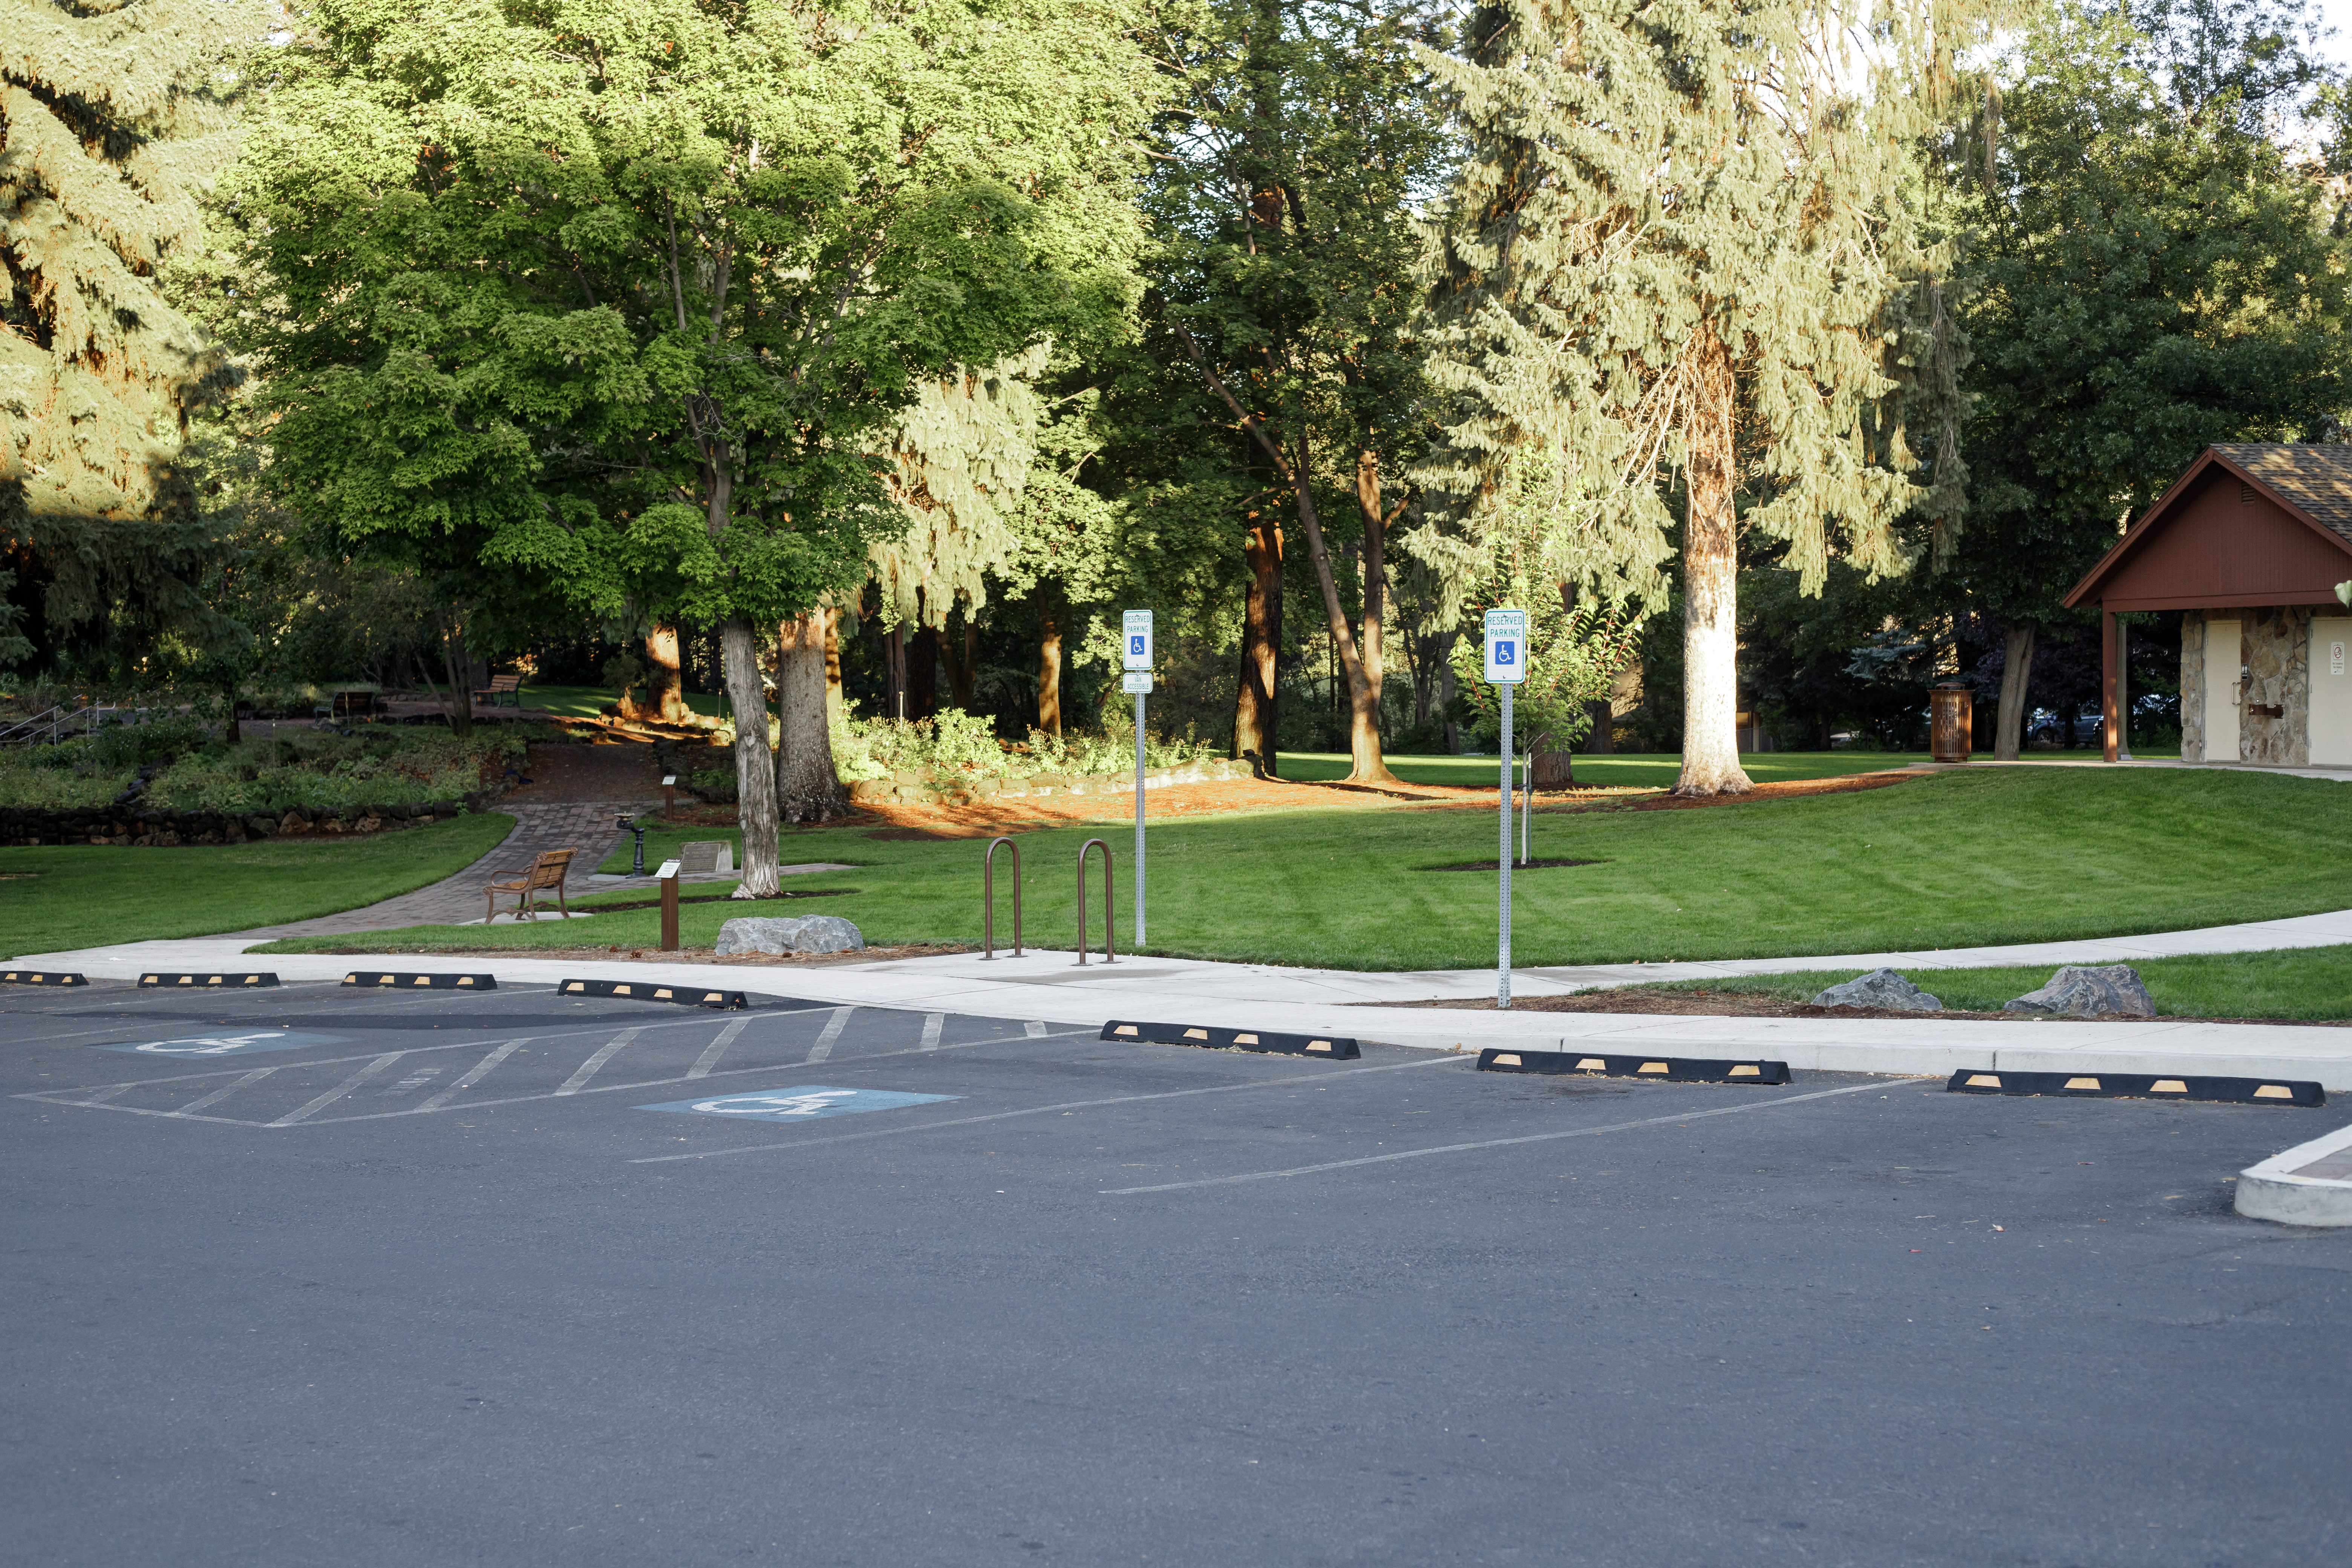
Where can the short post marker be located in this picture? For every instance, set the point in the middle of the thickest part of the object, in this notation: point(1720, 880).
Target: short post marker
point(669, 876)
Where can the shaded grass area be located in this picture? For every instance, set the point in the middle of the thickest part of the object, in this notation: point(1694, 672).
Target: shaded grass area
point(1634, 770)
point(2286, 983)
point(587, 701)
point(56, 897)
point(1951, 860)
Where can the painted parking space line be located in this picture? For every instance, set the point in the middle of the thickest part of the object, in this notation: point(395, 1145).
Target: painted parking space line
point(341, 1089)
point(824, 1047)
point(803, 1103)
point(1036, 1029)
point(597, 1059)
point(932, 1024)
point(480, 1070)
point(229, 1044)
point(224, 1091)
point(717, 1049)
point(1290, 1080)
point(1492, 1142)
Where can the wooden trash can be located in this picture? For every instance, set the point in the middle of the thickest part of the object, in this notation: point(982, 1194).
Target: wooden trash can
point(1951, 710)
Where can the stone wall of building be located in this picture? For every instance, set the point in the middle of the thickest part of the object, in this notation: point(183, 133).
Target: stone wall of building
point(2278, 676)
point(2193, 686)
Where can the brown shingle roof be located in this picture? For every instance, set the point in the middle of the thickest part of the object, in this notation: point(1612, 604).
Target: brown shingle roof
point(2316, 478)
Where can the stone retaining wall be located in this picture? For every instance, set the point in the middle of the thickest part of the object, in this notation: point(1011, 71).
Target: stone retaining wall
point(154, 826)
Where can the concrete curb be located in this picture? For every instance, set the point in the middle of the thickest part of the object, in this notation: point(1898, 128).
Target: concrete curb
point(2284, 1188)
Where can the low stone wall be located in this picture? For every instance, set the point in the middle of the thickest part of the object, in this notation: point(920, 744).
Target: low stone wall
point(155, 827)
point(925, 788)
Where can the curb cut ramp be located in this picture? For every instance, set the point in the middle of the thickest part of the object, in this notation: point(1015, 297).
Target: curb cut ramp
point(209, 982)
point(1661, 1069)
point(2141, 1086)
point(1209, 1037)
point(386, 979)
point(643, 990)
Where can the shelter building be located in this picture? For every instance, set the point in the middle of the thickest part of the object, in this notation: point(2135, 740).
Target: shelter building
point(2253, 544)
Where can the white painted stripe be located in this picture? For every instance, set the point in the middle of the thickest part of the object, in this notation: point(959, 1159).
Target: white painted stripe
point(480, 1070)
point(1492, 1142)
point(256, 1076)
point(1290, 1081)
point(932, 1024)
point(833, 1027)
point(336, 1093)
point(1036, 1028)
point(602, 1054)
point(717, 1049)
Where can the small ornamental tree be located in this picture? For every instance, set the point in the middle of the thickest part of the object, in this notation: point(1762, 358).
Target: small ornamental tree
point(1573, 657)
point(620, 295)
point(1685, 254)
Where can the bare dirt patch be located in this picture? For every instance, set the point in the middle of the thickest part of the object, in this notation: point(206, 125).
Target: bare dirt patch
point(655, 955)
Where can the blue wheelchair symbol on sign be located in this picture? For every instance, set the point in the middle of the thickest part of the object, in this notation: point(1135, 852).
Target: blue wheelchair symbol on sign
point(1507, 651)
point(807, 1102)
point(1135, 647)
point(242, 1044)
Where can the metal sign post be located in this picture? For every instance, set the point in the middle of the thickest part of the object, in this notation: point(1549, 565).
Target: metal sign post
point(1506, 658)
point(1135, 659)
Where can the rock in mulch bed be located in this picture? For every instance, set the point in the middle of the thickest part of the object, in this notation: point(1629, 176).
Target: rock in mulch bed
point(1881, 988)
point(2108, 991)
point(788, 934)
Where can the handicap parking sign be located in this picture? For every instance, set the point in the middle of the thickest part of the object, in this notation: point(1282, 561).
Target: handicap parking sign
point(237, 1044)
point(1507, 641)
point(805, 1103)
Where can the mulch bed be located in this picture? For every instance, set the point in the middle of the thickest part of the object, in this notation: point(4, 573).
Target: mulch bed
point(653, 955)
point(714, 899)
point(1764, 1005)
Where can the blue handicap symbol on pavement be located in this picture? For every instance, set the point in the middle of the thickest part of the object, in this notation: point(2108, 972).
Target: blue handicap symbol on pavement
point(242, 1043)
point(807, 1102)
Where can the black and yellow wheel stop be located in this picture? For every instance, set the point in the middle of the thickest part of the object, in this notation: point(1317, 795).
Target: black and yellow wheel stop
point(1333, 1048)
point(385, 980)
point(40, 977)
point(2140, 1085)
point(645, 991)
point(225, 982)
point(1659, 1069)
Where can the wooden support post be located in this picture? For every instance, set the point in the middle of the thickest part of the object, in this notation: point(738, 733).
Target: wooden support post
point(2109, 709)
point(670, 909)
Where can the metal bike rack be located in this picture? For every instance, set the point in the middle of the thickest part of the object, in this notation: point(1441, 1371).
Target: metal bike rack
point(1107, 906)
point(988, 898)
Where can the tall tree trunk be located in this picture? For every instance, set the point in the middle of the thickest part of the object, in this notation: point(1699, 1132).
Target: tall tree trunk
point(894, 673)
point(1601, 739)
point(667, 680)
point(1364, 687)
point(1364, 764)
point(1446, 692)
point(1254, 713)
point(1050, 610)
point(2016, 672)
point(755, 769)
point(923, 674)
point(1711, 588)
point(835, 705)
point(807, 787)
point(457, 669)
point(959, 654)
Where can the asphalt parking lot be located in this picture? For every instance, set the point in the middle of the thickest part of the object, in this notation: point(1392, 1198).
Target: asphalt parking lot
point(317, 1276)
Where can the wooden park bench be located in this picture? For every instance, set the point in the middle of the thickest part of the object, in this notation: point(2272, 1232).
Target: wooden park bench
point(500, 685)
point(547, 871)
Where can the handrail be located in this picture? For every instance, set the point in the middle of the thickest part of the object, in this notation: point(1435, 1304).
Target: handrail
point(1109, 957)
point(26, 731)
point(988, 898)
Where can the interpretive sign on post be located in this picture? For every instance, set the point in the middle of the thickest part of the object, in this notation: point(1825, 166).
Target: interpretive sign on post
point(1135, 659)
point(1507, 664)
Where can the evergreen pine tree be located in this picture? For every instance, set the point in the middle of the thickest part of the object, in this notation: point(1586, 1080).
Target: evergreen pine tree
point(113, 119)
point(1684, 251)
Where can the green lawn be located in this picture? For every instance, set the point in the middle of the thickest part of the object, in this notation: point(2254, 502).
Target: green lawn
point(2288, 982)
point(587, 701)
point(58, 897)
point(1950, 860)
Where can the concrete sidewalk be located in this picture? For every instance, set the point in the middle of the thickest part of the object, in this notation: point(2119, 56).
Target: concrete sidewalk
point(1050, 986)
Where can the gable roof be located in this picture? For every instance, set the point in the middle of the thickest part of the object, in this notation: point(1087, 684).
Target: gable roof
point(2290, 548)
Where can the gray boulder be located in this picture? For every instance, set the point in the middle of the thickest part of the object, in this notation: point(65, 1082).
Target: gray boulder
point(2110, 991)
point(805, 933)
point(1879, 988)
